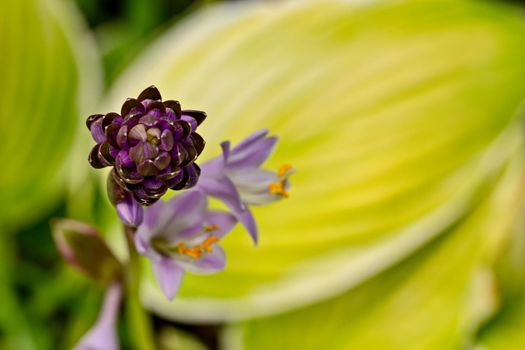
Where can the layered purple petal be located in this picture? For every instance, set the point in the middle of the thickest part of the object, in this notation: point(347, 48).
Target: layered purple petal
point(150, 147)
point(97, 131)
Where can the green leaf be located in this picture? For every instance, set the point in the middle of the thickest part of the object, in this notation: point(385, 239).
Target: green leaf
point(505, 330)
point(48, 75)
point(431, 300)
point(395, 115)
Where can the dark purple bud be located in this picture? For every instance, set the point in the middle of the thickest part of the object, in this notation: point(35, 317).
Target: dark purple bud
point(152, 146)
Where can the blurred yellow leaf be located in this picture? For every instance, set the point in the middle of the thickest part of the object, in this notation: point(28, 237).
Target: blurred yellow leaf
point(49, 72)
point(397, 117)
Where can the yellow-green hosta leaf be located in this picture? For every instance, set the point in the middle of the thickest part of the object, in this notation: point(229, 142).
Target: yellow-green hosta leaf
point(505, 330)
point(395, 115)
point(428, 301)
point(46, 79)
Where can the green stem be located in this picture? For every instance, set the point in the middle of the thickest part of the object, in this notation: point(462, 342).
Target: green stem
point(139, 320)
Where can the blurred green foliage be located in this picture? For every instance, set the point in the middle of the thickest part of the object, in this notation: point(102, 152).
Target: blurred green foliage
point(402, 117)
point(123, 28)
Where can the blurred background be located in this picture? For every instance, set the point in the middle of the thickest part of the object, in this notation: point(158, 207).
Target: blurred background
point(404, 119)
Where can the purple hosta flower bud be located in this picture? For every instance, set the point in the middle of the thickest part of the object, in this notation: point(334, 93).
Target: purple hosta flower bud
point(82, 247)
point(237, 179)
point(182, 235)
point(103, 336)
point(151, 144)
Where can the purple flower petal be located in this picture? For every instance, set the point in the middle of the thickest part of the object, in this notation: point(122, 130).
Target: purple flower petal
point(226, 146)
point(250, 140)
point(138, 134)
point(223, 220)
point(166, 140)
point(253, 155)
point(180, 213)
point(97, 131)
point(169, 275)
point(141, 245)
point(198, 116)
point(129, 211)
point(212, 168)
point(102, 335)
point(191, 120)
point(221, 187)
point(192, 234)
point(248, 221)
point(150, 93)
point(186, 211)
point(252, 185)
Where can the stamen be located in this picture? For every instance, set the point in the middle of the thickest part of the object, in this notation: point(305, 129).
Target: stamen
point(197, 251)
point(211, 228)
point(284, 170)
point(207, 244)
point(181, 248)
point(278, 189)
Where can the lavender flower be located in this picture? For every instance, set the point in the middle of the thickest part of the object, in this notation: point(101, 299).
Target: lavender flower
point(102, 335)
point(151, 145)
point(237, 179)
point(182, 235)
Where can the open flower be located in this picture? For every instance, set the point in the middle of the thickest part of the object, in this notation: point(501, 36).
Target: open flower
point(182, 235)
point(237, 179)
point(151, 144)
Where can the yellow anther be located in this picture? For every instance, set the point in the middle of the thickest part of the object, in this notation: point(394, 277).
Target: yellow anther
point(207, 244)
point(211, 228)
point(181, 248)
point(197, 250)
point(278, 189)
point(284, 170)
point(194, 252)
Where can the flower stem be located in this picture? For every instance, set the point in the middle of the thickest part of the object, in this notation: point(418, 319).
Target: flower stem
point(139, 321)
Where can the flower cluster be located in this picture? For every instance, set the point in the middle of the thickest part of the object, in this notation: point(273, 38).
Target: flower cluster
point(182, 234)
point(237, 179)
point(152, 146)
